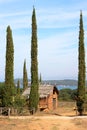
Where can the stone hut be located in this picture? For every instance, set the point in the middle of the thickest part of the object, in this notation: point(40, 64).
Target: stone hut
point(48, 97)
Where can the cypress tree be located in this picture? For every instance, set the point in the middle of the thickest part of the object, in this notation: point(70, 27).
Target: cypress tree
point(25, 77)
point(81, 68)
point(40, 78)
point(34, 96)
point(9, 70)
point(18, 87)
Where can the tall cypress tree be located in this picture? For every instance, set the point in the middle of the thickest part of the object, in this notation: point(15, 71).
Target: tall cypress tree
point(18, 87)
point(81, 58)
point(9, 70)
point(40, 80)
point(81, 67)
point(34, 96)
point(25, 77)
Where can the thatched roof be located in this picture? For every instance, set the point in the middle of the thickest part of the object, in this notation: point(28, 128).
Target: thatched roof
point(44, 91)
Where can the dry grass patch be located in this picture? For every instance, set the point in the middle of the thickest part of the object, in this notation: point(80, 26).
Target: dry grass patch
point(80, 122)
point(50, 123)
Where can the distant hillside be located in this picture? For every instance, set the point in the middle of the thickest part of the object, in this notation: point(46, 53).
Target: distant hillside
point(65, 82)
point(21, 81)
point(62, 82)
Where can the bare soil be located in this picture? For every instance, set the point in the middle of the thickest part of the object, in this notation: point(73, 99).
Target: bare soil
point(64, 118)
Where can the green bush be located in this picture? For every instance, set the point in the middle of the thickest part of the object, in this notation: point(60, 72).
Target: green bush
point(19, 103)
point(67, 94)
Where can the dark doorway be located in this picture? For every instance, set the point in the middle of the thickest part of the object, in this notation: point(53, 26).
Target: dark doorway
point(54, 103)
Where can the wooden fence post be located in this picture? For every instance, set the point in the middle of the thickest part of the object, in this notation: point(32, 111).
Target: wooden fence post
point(9, 111)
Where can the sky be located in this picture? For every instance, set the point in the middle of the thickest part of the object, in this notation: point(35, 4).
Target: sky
point(57, 31)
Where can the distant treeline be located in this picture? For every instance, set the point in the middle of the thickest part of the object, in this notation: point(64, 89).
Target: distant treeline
point(56, 82)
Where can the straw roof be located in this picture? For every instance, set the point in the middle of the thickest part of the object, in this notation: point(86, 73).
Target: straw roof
point(44, 91)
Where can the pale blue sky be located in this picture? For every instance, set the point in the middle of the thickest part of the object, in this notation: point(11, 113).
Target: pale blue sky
point(58, 30)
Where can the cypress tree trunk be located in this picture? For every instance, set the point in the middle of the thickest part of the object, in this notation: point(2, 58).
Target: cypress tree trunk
point(34, 96)
point(25, 77)
point(9, 70)
point(81, 68)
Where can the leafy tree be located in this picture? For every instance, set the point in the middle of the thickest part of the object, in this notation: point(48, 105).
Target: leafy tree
point(81, 68)
point(34, 96)
point(9, 88)
point(25, 77)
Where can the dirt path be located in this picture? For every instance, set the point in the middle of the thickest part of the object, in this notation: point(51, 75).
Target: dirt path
point(44, 123)
point(48, 117)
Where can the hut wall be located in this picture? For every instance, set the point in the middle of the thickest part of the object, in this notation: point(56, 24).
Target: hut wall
point(52, 101)
point(43, 102)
